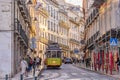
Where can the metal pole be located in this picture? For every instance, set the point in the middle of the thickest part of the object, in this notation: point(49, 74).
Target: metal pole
point(35, 78)
point(6, 77)
point(21, 77)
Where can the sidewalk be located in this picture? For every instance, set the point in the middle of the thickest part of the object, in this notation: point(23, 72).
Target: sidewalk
point(30, 74)
point(115, 74)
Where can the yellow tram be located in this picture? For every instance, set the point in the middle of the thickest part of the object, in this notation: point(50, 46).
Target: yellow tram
point(53, 55)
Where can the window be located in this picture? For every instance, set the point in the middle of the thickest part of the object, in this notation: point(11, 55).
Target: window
point(54, 54)
point(57, 28)
point(44, 21)
point(54, 13)
point(51, 26)
point(58, 54)
point(48, 8)
point(48, 25)
point(51, 12)
point(54, 27)
point(48, 54)
point(57, 15)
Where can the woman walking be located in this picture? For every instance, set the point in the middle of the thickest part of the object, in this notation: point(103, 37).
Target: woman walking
point(24, 67)
point(118, 63)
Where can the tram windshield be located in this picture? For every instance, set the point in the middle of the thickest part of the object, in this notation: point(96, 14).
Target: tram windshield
point(53, 54)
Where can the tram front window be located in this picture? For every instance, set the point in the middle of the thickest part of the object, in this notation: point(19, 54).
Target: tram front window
point(53, 54)
point(48, 54)
point(58, 54)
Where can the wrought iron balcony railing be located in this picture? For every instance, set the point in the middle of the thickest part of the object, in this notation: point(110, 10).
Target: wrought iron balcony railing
point(64, 24)
point(63, 11)
point(75, 41)
point(64, 46)
point(98, 3)
point(43, 40)
point(74, 21)
point(24, 11)
point(43, 11)
point(92, 17)
point(21, 32)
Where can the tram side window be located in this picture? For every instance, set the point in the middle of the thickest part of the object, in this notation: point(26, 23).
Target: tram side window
point(58, 54)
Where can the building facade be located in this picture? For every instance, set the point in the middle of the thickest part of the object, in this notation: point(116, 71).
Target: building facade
point(63, 32)
point(41, 28)
point(102, 24)
point(74, 34)
point(59, 26)
point(33, 32)
point(53, 22)
point(14, 31)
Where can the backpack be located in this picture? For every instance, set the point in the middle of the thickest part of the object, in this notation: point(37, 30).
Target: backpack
point(31, 62)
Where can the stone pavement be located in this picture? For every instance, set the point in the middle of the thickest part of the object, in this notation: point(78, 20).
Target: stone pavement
point(30, 74)
point(115, 74)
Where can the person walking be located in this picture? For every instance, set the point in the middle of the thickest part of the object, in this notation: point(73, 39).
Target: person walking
point(24, 67)
point(30, 64)
point(37, 61)
point(34, 66)
point(118, 63)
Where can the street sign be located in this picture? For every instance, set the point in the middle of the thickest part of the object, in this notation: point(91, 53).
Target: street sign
point(76, 51)
point(33, 43)
point(113, 41)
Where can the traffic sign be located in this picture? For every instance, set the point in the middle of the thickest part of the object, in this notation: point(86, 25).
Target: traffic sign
point(76, 51)
point(113, 41)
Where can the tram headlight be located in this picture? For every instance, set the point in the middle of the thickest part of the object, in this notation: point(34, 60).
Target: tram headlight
point(53, 61)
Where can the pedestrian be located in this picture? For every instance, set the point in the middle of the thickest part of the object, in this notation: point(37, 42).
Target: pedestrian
point(34, 66)
point(118, 63)
point(37, 61)
point(24, 67)
point(97, 64)
point(30, 64)
point(40, 61)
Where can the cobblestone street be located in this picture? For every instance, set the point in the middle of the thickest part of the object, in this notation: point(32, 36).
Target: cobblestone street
point(69, 72)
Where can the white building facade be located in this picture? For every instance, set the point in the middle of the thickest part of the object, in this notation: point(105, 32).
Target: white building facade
point(102, 24)
point(14, 33)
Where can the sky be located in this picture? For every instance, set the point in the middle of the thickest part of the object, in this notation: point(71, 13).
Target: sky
point(75, 2)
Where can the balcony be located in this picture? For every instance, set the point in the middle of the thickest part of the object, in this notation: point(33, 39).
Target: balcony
point(74, 41)
point(64, 47)
point(43, 40)
point(64, 24)
point(43, 11)
point(74, 21)
point(98, 3)
point(24, 11)
point(63, 12)
point(94, 14)
point(21, 33)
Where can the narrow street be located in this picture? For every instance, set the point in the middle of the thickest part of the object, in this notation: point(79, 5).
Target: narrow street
point(70, 72)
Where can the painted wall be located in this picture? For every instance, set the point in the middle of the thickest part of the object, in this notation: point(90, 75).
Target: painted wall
point(5, 38)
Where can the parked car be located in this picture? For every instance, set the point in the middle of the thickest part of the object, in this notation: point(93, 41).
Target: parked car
point(67, 60)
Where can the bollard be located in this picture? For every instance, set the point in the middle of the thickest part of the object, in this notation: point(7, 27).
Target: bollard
point(35, 78)
point(21, 77)
point(6, 77)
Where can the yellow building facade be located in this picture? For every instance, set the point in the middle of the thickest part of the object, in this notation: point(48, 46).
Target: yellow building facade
point(32, 13)
point(42, 29)
point(64, 32)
